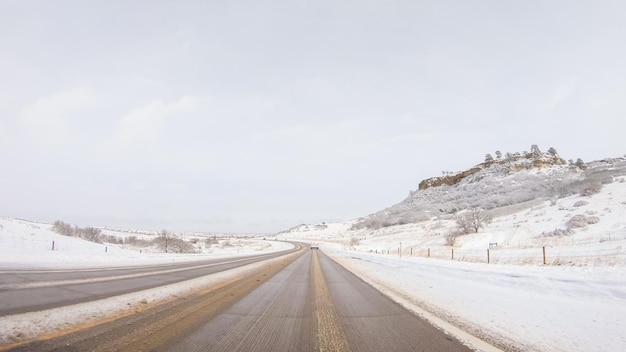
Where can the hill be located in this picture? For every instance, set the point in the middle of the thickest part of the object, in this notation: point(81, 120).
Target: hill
point(523, 201)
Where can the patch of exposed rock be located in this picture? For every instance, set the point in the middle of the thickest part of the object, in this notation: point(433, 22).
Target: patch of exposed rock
point(514, 163)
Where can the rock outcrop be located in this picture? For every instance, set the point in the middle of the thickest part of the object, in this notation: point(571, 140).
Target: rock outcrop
point(513, 162)
point(447, 180)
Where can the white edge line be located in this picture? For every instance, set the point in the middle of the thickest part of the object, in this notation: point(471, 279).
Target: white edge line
point(466, 338)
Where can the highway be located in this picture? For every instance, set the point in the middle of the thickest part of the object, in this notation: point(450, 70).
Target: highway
point(305, 302)
point(23, 291)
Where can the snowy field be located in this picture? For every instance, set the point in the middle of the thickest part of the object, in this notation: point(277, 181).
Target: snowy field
point(29, 245)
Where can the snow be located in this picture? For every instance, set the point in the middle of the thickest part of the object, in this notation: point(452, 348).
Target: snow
point(22, 327)
point(577, 302)
point(28, 245)
point(527, 308)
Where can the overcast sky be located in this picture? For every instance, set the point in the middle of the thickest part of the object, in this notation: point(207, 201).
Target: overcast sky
point(256, 116)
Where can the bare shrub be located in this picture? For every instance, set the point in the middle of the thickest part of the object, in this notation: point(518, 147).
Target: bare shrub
point(386, 223)
point(211, 241)
point(134, 241)
point(111, 239)
point(591, 187)
point(179, 245)
point(354, 241)
point(473, 220)
point(62, 228)
point(557, 233)
point(553, 200)
point(170, 243)
point(578, 221)
point(450, 237)
point(321, 226)
point(369, 223)
point(163, 241)
point(586, 187)
point(90, 234)
point(87, 233)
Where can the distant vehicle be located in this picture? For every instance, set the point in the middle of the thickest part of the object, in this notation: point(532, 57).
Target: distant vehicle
point(315, 246)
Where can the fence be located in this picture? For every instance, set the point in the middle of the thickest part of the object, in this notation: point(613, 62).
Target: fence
point(545, 255)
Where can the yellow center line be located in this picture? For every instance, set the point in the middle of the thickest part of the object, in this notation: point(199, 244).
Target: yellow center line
point(330, 334)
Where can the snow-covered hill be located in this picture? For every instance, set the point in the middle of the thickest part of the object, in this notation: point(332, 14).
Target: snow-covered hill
point(499, 183)
point(493, 283)
point(576, 212)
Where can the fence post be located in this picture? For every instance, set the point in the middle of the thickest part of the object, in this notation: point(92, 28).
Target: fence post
point(52, 245)
point(106, 249)
point(411, 251)
point(544, 255)
point(428, 252)
point(452, 253)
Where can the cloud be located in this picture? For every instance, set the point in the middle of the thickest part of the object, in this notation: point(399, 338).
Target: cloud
point(5, 138)
point(563, 91)
point(145, 123)
point(47, 120)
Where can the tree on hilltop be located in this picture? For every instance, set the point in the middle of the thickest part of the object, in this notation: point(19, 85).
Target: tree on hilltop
point(552, 152)
point(535, 151)
point(580, 164)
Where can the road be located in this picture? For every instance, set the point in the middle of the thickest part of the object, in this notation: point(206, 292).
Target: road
point(23, 291)
point(306, 302)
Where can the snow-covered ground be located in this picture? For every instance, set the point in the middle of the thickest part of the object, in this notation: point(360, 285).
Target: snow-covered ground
point(577, 302)
point(29, 245)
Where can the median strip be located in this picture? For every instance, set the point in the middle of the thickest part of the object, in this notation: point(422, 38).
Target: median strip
point(31, 285)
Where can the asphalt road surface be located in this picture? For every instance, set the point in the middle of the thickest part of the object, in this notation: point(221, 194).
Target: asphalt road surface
point(23, 291)
point(316, 305)
point(305, 302)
